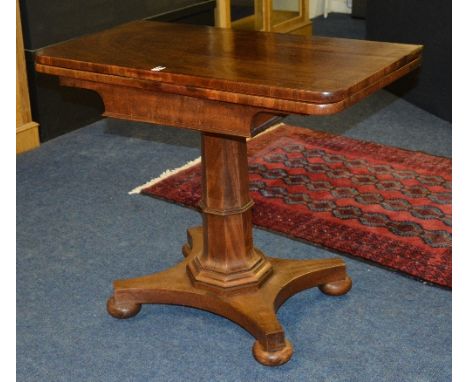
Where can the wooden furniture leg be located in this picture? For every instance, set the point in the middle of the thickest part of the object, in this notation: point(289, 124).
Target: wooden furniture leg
point(223, 272)
point(223, 13)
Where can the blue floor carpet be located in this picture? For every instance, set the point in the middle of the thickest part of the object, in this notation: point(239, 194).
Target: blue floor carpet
point(78, 230)
point(339, 25)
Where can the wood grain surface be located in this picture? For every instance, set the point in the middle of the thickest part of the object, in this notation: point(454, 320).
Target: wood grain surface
point(289, 67)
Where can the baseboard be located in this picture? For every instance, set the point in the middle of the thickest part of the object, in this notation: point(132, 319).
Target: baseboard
point(27, 137)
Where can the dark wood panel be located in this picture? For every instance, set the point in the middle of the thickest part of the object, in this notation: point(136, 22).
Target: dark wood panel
point(52, 21)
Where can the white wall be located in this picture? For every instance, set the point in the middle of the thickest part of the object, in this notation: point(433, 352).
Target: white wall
point(286, 5)
point(316, 7)
point(339, 6)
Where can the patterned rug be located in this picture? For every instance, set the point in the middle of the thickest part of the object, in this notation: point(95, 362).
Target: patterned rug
point(386, 205)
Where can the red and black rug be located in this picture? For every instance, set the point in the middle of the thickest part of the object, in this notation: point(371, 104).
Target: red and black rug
point(383, 204)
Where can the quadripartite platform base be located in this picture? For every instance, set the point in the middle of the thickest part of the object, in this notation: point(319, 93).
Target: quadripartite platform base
point(252, 308)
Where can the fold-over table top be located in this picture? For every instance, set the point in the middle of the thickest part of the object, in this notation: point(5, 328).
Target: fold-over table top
point(317, 70)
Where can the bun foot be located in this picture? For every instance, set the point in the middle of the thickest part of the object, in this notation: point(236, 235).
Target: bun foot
point(122, 309)
point(337, 288)
point(272, 358)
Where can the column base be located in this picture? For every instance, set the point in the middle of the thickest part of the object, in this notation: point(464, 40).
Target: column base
point(253, 309)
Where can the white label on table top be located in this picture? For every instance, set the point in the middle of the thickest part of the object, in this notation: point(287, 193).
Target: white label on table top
point(158, 68)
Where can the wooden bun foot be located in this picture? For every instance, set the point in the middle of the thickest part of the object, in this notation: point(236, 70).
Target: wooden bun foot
point(272, 358)
point(122, 310)
point(337, 288)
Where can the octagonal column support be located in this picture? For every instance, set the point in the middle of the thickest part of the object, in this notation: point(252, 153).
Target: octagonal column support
point(229, 260)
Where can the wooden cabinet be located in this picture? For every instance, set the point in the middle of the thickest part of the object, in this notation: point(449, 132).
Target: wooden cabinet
point(27, 131)
point(268, 16)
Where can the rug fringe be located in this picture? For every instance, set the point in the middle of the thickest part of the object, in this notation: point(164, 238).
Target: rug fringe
point(165, 175)
point(270, 129)
point(189, 164)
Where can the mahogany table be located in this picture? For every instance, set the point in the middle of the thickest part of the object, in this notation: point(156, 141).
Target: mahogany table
point(225, 84)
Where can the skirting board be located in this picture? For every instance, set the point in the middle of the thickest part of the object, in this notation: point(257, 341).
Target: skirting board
point(27, 137)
